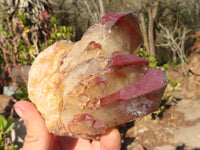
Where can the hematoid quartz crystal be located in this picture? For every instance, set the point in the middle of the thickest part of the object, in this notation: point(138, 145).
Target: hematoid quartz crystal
point(84, 88)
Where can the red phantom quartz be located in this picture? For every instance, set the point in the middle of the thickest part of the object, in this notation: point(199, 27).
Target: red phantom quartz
point(84, 88)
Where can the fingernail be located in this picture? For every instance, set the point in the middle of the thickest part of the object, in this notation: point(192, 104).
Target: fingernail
point(19, 112)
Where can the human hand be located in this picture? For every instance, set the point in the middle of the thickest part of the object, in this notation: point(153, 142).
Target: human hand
point(39, 138)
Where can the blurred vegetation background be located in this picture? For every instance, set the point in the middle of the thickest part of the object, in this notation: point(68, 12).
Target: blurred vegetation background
point(170, 30)
point(29, 26)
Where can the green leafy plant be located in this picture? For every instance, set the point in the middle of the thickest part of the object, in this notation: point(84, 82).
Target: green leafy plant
point(159, 111)
point(152, 61)
point(142, 53)
point(173, 84)
point(5, 127)
point(54, 21)
point(165, 67)
point(59, 32)
point(18, 46)
point(2, 32)
point(23, 94)
point(22, 16)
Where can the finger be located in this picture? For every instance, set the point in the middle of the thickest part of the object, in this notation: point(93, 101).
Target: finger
point(37, 136)
point(96, 144)
point(111, 140)
point(83, 144)
point(64, 143)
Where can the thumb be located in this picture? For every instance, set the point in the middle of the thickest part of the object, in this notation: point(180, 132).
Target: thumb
point(37, 136)
point(111, 140)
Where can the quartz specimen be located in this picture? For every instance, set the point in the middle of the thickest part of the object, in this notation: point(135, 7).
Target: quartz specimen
point(84, 88)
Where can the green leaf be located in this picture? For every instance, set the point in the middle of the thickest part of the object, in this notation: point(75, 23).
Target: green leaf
point(53, 21)
point(53, 35)
point(58, 34)
point(64, 29)
point(142, 53)
point(10, 126)
point(2, 32)
point(3, 123)
point(69, 29)
point(23, 94)
point(22, 16)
